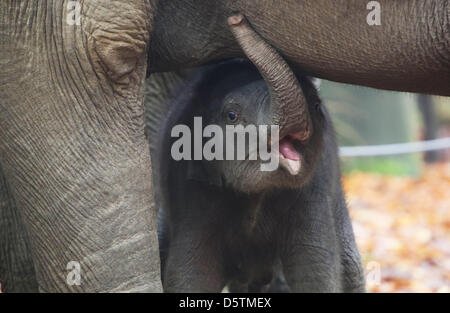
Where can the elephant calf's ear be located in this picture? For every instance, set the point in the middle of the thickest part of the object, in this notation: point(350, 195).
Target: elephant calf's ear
point(200, 172)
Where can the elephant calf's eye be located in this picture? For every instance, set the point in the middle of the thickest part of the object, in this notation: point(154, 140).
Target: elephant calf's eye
point(232, 116)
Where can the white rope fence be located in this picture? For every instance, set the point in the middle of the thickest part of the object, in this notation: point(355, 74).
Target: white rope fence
point(395, 148)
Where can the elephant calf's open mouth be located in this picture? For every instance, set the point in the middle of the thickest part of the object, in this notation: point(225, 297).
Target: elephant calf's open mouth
point(289, 156)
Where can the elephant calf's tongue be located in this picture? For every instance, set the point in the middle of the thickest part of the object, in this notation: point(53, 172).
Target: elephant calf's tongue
point(287, 149)
point(289, 157)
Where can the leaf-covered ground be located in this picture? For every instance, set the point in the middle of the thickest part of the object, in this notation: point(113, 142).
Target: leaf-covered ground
point(402, 228)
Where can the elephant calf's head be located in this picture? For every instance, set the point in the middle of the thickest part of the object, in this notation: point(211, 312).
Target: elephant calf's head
point(236, 98)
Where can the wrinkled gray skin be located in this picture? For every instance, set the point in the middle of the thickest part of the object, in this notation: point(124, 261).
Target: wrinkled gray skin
point(16, 265)
point(227, 223)
point(330, 39)
point(73, 150)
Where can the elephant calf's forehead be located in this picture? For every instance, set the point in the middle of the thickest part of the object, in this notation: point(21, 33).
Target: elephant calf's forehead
point(254, 92)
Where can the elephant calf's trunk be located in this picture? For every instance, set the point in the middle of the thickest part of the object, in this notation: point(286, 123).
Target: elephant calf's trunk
point(289, 106)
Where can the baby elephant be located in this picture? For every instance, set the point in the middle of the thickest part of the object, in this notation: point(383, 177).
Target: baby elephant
point(225, 221)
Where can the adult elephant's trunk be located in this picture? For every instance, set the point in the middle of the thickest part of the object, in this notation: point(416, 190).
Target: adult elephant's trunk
point(289, 107)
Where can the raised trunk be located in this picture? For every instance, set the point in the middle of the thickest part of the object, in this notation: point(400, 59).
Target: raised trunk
point(288, 104)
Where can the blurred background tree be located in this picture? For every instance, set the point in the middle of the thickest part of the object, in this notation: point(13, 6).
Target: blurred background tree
point(366, 116)
point(401, 220)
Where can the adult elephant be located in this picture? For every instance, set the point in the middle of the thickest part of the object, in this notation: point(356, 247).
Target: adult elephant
point(73, 152)
point(409, 51)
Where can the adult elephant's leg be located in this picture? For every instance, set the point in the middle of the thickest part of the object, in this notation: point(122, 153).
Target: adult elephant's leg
point(72, 143)
point(16, 265)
